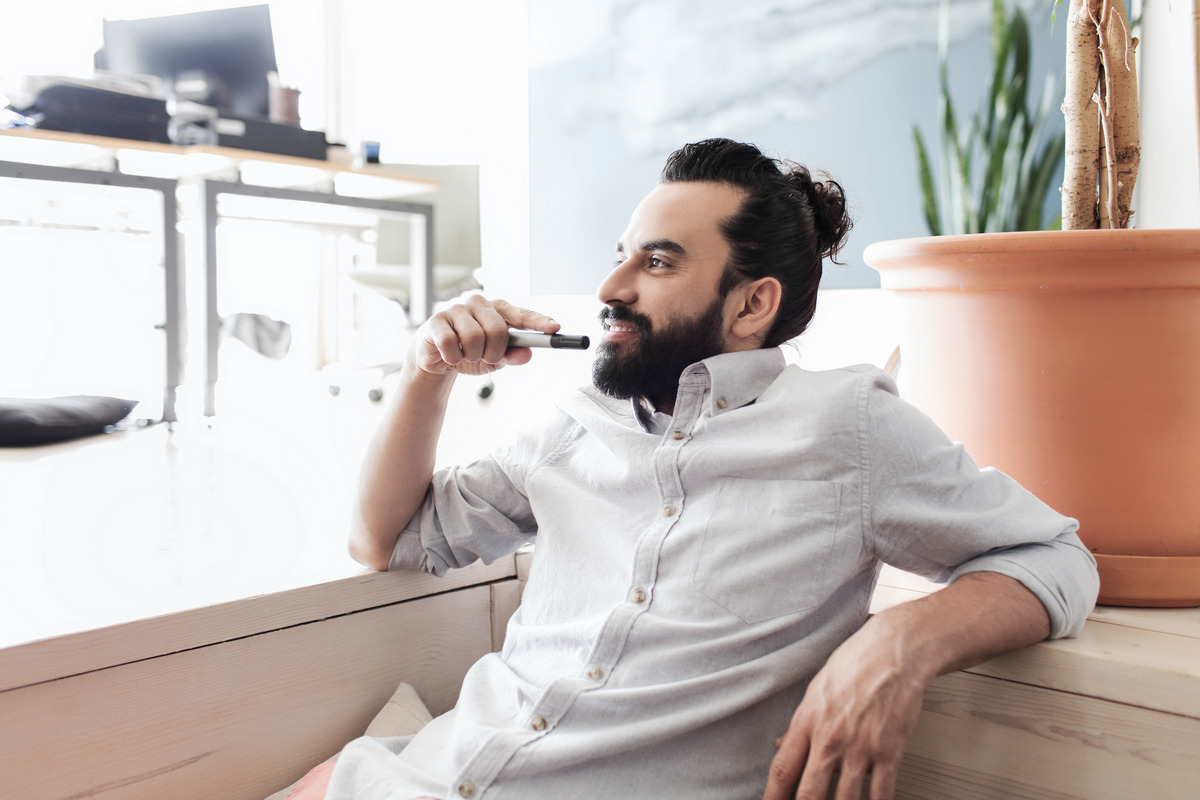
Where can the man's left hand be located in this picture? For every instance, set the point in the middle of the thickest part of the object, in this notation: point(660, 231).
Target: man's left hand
point(861, 707)
point(853, 723)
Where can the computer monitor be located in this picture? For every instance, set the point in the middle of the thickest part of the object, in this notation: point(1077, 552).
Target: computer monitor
point(219, 58)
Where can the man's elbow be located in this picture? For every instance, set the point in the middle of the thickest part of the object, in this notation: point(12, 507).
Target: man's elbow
point(366, 550)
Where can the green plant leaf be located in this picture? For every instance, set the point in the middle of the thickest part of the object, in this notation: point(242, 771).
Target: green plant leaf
point(1002, 42)
point(994, 173)
point(1047, 167)
point(958, 173)
point(928, 193)
point(999, 28)
point(1053, 14)
point(1034, 184)
point(1008, 182)
point(1020, 68)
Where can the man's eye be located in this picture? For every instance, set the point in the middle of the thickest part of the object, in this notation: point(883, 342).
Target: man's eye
point(658, 263)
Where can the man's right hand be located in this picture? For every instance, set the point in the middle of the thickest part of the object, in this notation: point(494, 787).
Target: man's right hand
point(471, 338)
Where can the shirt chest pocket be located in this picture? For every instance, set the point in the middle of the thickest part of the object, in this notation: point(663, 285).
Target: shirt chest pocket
point(766, 549)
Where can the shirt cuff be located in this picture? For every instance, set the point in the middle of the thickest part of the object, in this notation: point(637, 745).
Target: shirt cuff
point(408, 552)
point(1060, 574)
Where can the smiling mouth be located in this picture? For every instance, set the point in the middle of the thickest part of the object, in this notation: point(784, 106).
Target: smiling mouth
point(620, 327)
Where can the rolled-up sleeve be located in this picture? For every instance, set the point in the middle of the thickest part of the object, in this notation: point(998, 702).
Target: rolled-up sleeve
point(932, 511)
point(470, 513)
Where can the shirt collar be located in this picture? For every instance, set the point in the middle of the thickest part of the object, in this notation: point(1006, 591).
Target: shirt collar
point(736, 379)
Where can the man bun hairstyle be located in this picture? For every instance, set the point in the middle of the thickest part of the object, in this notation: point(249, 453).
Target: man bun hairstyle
point(785, 227)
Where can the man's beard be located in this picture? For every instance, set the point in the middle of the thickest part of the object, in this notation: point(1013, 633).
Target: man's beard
point(657, 360)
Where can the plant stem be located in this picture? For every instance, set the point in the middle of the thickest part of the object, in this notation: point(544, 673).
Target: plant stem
point(1120, 110)
point(1082, 157)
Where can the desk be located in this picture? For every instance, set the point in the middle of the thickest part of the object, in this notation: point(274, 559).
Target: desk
point(172, 266)
point(240, 699)
point(32, 154)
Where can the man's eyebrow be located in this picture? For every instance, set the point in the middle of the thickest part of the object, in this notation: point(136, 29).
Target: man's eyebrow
point(665, 245)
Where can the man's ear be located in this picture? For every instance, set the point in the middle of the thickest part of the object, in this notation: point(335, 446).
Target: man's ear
point(757, 303)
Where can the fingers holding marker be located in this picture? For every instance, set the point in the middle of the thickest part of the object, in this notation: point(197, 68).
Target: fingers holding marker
point(482, 330)
point(441, 347)
point(477, 336)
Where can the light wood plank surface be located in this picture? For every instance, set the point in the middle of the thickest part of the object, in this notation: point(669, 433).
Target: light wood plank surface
point(239, 719)
point(62, 656)
point(992, 739)
point(1144, 657)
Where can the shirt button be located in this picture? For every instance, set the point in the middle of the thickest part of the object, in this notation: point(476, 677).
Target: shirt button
point(538, 723)
point(668, 511)
point(638, 596)
point(595, 673)
point(677, 435)
point(466, 789)
point(721, 403)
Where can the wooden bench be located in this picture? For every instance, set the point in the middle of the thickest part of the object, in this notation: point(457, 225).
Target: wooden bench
point(240, 699)
point(1111, 715)
point(236, 700)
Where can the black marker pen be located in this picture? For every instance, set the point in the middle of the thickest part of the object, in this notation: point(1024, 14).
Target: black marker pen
point(556, 340)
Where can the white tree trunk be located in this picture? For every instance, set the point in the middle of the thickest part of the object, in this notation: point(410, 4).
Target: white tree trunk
point(1082, 158)
point(1119, 120)
point(1101, 158)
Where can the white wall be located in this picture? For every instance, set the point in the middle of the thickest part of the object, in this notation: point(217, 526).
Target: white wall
point(1168, 188)
point(445, 83)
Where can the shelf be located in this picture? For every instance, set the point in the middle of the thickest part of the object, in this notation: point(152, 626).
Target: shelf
point(56, 148)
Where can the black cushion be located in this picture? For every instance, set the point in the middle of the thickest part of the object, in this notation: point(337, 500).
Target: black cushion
point(57, 419)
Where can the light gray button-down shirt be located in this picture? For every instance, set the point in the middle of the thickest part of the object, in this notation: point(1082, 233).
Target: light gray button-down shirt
point(692, 573)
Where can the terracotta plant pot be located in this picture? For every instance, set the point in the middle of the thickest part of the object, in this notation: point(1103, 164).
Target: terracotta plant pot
point(1071, 361)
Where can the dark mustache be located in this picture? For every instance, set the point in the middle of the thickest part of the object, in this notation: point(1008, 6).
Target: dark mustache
point(610, 314)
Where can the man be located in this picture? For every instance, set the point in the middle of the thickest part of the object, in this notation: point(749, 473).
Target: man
point(709, 526)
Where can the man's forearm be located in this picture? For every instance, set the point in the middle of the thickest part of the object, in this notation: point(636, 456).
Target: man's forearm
point(399, 465)
point(980, 615)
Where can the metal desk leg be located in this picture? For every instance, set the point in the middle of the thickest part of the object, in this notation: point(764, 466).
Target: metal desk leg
point(420, 293)
point(212, 326)
point(173, 283)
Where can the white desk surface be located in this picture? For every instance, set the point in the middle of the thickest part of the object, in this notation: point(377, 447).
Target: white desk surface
point(147, 522)
point(137, 524)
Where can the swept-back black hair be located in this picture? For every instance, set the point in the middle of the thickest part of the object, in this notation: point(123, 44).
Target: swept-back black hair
point(786, 225)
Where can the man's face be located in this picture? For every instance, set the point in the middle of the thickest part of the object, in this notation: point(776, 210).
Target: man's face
point(663, 308)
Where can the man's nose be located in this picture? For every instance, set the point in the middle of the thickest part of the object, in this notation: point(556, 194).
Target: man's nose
point(618, 286)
